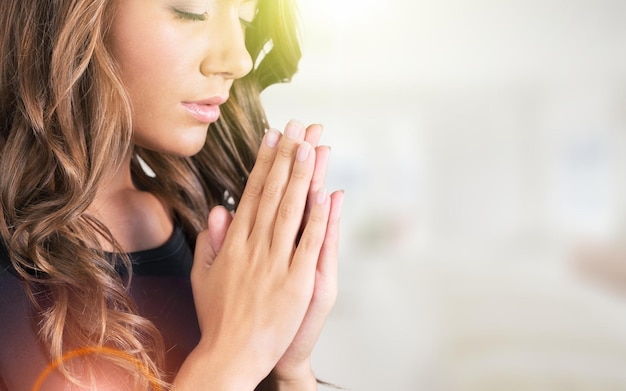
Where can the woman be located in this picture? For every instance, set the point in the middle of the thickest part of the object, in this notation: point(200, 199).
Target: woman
point(117, 276)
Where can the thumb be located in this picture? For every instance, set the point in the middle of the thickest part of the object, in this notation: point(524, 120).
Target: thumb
point(219, 221)
point(210, 241)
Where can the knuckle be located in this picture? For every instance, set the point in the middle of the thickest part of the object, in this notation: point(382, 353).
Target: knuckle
point(287, 210)
point(253, 189)
point(300, 174)
point(317, 218)
point(285, 151)
point(309, 243)
point(271, 189)
point(265, 159)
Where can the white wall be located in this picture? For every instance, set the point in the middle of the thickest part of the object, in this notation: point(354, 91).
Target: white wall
point(478, 142)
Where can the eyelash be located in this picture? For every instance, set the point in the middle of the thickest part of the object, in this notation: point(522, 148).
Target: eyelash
point(201, 17)
point(189, 15)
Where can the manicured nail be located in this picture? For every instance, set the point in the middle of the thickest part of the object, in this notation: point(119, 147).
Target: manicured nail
point(293, 129)
point(303, 151)
point(322, 195)
point(271, 138)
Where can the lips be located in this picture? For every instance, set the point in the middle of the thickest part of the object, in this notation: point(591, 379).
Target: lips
point(205, 111)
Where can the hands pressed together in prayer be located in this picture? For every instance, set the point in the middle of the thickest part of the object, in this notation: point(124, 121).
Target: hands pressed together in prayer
point(265, 280)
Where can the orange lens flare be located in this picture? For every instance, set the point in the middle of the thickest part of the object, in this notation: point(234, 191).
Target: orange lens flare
point(95, 350)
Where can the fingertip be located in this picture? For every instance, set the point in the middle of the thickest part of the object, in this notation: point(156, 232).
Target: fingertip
point(219, 221)
point(218, 216)
point(294, 129)
point(337, 199)
point(304, 150)
point(272, 136)
point(323, 150)
point(322, 155)
point(339, 193)
point(295, 122)
point(314, 133)
point(322, 196)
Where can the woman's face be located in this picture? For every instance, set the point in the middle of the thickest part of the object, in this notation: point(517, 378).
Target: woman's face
point(178, 60)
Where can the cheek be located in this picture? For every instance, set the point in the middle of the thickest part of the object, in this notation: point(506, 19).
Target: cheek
point(156, 64)
point(149, 63)
point(152, 74)
point(149, 50)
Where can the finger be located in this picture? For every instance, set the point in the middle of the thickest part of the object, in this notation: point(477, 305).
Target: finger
point(247, 209)
point(307, 252)
point(329, 254)
point(325, 287)
point(291, 209)
point(209, 241)
point(322, 156)
point(280, 175)
point(325, 291)
point(219, 221)
point(313, 134)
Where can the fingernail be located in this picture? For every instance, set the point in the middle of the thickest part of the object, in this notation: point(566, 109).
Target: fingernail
point(271, 138)
point(322, 195)
point(303, 151)
point(293, 129)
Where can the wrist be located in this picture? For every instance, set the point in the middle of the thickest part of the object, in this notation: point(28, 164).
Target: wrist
point(207, 368)
point(297, 379)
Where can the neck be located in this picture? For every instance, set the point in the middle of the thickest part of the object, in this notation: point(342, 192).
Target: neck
point(114, 182)
point(138, 220)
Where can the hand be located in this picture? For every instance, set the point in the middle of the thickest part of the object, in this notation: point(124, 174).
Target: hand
point(252, 289)
point(295, 364)
point(294, 367)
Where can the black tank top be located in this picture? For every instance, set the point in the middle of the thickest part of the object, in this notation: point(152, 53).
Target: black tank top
point(160, 288)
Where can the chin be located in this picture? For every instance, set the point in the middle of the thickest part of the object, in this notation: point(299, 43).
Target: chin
point(192, 144)
point(188, 143)
point(186, 150)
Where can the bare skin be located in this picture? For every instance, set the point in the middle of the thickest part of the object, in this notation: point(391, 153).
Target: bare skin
point(261, 300)
point(290, 292)
point(246, 271)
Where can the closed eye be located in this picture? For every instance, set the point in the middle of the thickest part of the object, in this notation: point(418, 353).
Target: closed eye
point(190, 15)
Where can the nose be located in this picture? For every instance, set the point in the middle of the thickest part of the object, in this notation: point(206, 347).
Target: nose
point(227, 56)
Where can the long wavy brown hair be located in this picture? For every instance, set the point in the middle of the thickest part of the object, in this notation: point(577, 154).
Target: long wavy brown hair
point(64, 121)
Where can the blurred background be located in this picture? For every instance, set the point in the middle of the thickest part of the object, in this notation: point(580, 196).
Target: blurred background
point(482, 147)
